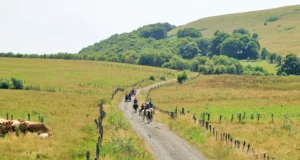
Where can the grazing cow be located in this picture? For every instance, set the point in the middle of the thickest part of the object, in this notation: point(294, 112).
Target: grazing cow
point(16, 125)
point(43, 135)
point(2, 120)
point(36, 127)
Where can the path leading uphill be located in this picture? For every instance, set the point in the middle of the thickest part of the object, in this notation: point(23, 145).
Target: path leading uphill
point(163, 143)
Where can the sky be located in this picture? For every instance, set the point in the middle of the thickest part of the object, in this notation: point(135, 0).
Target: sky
point(40, 26)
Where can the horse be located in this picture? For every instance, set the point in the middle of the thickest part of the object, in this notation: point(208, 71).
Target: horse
point(135, 107)
point(149, 115)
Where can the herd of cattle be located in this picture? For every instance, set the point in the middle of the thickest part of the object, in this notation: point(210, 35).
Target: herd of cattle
point(7, 126)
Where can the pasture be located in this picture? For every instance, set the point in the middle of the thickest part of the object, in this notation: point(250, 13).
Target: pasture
point(68, 98)
point(227, 96)
point(265, 64)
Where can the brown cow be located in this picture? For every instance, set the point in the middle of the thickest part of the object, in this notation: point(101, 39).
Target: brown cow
point(36, 127)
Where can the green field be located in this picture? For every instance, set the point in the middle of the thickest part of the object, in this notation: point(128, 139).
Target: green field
point(281, 36)
point(229, 95)
point(266, 65)
point(70, 110)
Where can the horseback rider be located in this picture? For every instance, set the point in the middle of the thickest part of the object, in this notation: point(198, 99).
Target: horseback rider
point(135, 101)
point(142, 107)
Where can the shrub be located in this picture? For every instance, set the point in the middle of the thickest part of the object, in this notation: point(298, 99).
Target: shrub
point(17, 84)
point(272, 19)
point(283, 74)
point(152, 78)
point(4, 84)
point(163, 78)
point(182, 76)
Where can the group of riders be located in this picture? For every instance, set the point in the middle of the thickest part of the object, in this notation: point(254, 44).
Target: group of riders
point(145, 111)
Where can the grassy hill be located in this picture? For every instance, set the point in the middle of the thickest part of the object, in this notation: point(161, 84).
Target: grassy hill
point(281, 36)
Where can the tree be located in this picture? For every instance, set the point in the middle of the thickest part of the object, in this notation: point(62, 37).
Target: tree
point(255, 36)
point(231, 47)
point(4, 84)
point(189, 32)
point(217, 40)
point(264, 54)
point(17, 84)
point(278, 60)
point(204, 45)
point(154, 32)
point(190, 50)
point(241, 31)
point(291, 65)
point(272, 57)
point(252, 50)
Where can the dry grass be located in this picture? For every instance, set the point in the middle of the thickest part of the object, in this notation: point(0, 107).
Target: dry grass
point(226, 95)
point(282, 36)
point(71, 110)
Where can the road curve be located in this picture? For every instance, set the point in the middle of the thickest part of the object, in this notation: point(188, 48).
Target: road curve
point(163, 143)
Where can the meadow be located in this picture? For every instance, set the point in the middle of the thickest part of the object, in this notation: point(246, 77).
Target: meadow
point(280, 36)
point(227, 96)
point(68, 99)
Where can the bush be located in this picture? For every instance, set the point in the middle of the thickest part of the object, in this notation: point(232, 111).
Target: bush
point(152, 78)
point(182, 76)
point(283, 74)
point(4, 85)
point(272, 19)
point(163, 78)
point(17, 84)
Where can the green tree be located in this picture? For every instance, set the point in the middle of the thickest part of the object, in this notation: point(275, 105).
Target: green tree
point(17, 84)
point(190, 50)
point(231, 47)
point(264, 54)
point(217, 40)
point(4, 84)
point(252, 50)
point(272, 57)
point(241, 31)
point(291, 65)
point(189, 32)
point(204, 44)
point(278, 60)
point(255, 36)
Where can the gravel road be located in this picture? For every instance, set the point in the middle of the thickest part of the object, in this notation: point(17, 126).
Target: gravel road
point(163, 143)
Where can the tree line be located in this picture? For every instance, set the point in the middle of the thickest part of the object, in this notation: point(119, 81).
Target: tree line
point(150, 45)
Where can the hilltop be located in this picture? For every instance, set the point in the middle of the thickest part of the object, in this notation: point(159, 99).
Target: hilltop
point(281, 34)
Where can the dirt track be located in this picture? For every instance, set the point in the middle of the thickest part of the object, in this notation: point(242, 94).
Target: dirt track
point(164, 144)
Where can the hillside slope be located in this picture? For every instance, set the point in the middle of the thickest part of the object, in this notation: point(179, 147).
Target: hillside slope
point(281, 36)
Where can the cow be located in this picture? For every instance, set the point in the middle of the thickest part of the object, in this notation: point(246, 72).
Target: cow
point(16, 125)
point(36, 127)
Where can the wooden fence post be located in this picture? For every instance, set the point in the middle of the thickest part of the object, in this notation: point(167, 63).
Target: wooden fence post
point(206, 125)
point(87, 155)
point(272, 117)
point(208, 116)
point(28, 116)
point(216, 135)
point(213, 131)
point(182, 111)
point(252, 116)
point(231, 118)
point(248, 147)
point(258, 116)
point(209, 128)
point(220, 118)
